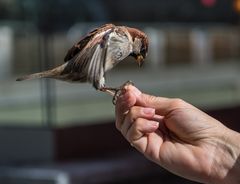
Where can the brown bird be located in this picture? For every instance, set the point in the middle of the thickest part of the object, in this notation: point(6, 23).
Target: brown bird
point(96, 53)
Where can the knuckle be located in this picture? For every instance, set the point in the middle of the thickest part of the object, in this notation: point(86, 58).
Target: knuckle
point(130, 134)
point(134, 132)
point(138, 122)
point(131, 111)
point(178, 102)
point(132, 114)
point(151, 98)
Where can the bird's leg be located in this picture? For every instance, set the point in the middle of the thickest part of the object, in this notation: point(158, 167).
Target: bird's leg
point(115, 92)
point(110, 91)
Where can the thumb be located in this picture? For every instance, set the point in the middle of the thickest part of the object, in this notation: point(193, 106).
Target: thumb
point(162, 105)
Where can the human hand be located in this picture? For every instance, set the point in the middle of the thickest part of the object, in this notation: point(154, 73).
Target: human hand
point(178, 136)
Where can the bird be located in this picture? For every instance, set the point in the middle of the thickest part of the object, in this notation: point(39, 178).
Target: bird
point(96, 53)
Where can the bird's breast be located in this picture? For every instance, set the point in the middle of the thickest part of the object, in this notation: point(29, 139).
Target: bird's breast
point(110, 64)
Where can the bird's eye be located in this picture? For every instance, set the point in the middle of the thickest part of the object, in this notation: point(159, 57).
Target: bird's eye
point(143, 51)
point(144, 48)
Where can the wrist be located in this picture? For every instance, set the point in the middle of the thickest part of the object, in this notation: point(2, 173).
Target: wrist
point(226, 164)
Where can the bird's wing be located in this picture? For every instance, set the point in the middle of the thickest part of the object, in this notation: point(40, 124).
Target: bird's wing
point(89, 63)
point(75, 49)
point(105, 50)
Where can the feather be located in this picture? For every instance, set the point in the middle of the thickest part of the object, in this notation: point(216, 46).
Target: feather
point(72, 52)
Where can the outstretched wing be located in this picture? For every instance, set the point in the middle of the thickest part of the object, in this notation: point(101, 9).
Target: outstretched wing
point(89, 63)
point(104, 51)
point(72, 52)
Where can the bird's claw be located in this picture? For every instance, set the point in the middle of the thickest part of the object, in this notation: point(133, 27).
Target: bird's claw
point(116, 95)
point(127, 84)
point(116, 92)
point(120, 91)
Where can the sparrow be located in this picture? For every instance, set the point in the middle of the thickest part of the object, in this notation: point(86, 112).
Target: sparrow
point(96, 53)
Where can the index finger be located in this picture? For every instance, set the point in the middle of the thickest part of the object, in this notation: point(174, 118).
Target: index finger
point(124, 103)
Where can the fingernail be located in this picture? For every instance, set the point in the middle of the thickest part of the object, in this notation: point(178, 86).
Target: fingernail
point(148, 111)
point(152, 126)
point(155, 124)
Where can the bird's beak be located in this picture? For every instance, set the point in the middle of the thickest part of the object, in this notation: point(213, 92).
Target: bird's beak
point(139, 59)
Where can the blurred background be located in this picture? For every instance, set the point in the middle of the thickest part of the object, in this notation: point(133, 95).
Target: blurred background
point(56, 132)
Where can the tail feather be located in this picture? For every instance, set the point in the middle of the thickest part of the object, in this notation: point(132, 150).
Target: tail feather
point(34, 76)
point(54, 73)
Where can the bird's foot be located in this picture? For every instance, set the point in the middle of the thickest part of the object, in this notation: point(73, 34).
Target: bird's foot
point(127, 84)
point(120, 91)
point(116, 92)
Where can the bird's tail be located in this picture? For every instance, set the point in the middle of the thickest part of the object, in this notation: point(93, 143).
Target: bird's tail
point(44, 74)
point(54, 73)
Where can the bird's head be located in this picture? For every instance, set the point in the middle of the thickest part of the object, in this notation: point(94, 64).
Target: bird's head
point(140, 45)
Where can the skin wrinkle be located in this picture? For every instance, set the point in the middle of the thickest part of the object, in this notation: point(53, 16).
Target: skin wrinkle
point(229, 149)
point(187, 160)
point(137, 129)
point(146, 151)
point(124, 133)
point(162, 128)
point(217, 165)
point(130, 119)
point(218, 168)
point(164, 139)
point(196, 132)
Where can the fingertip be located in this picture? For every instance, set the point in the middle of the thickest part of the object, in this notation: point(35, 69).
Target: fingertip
point(127, 98)
point(148, 111)
point(130, 99)
point(149, 127)
point(158, 118)
point(152, 126)
point(146, 126)
point(132, 89)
